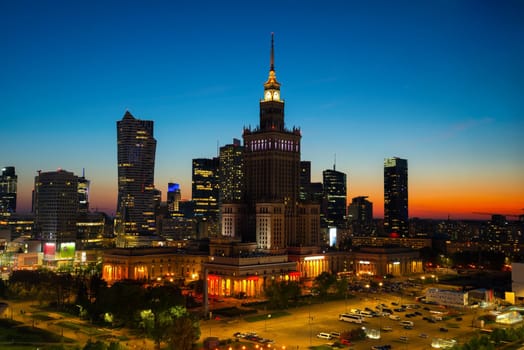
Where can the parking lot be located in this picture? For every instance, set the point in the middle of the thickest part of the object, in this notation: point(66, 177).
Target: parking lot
point(300, 329)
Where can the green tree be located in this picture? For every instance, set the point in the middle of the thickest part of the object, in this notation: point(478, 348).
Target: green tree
point(185, 330)
point(323, 283)
point(280, 293)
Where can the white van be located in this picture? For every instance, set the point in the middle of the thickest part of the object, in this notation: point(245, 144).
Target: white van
point(394, 317)
point(323, 335)
point(350, 318)
point(407, 323)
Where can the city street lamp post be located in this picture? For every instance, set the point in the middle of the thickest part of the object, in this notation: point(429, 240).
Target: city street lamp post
point(265, 323)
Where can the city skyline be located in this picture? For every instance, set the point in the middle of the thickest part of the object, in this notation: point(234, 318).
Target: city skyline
point(438, 84)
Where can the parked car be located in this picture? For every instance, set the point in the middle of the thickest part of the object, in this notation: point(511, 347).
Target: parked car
point(443, 329)
point(323, 335)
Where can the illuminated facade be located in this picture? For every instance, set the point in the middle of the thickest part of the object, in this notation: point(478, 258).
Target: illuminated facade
point(83, 194)
point(174, 196)
point(135, 216)
point(373, 241)
point(386, 261)
point(205, 187)
point(151, 264)
point(396, 197)
point(236, 268)
point(231, 172)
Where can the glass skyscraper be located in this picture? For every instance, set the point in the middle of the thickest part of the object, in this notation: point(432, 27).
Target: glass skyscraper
point(335, 198)
point(56, 206)
point(396, 197)
point(136, 147)
point(204, 187)
point(8, 189)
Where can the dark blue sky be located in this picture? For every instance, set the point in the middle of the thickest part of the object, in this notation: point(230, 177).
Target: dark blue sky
point(437, 82)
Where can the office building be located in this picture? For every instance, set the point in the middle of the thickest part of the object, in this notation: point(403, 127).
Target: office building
point(396, 197)
point(83, 194)
point(360, 211)
point(8, 189)
point(174, 196)
point(335, 198)
point(135, 218)
point(204, 187)
point(56, 206)
point(231, 173)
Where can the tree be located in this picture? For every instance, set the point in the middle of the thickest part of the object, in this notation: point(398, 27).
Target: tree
point(174, 325)
point(323, 282)
point(185, 330)
point(279, 294)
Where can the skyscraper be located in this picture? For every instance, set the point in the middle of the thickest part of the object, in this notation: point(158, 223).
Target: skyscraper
point(396, 196)
point(272, 171)
point(335, 198)
point(231, 172)
point(360, 211)
point(174, 197)
point(83, 194)
point(136, 172)
point(56, 204)
point(204, 187)
point(8, 189)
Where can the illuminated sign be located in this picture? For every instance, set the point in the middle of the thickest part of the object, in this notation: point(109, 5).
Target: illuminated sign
point(67, 250)
point(171, 187)
point(332, 236)
point(365, 262)
point(49, 250)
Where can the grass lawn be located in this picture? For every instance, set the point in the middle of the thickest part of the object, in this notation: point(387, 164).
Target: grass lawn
point(15, 335)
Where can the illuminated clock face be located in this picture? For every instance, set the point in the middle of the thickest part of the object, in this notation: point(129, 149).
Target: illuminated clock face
point(275, 95)
point(268, 95)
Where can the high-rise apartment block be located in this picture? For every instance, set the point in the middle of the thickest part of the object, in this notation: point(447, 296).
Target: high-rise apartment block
point(136, 191)
point(396, 197)
point(8, 189)
point(335, 198)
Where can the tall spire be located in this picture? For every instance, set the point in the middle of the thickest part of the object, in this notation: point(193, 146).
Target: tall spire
point(272, 58)
point(272, 86)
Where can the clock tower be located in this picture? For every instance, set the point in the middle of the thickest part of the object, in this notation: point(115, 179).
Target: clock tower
point(271, 106)
point(272, 171)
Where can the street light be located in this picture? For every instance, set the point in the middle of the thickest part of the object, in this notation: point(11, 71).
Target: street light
point(265, 323)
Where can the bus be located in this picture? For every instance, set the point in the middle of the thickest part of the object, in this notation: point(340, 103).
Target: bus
point(350, 318)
